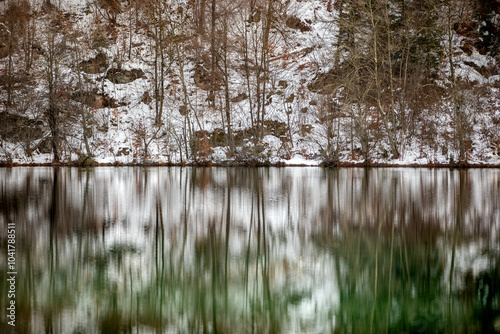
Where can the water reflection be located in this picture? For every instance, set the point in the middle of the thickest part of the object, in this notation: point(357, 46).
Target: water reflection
point(228, 250)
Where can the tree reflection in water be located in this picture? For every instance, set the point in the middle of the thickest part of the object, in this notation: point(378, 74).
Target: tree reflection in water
point(234, 250)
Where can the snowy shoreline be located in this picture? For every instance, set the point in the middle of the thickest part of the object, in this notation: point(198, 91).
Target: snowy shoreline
point(294, 162)
point(236, 101)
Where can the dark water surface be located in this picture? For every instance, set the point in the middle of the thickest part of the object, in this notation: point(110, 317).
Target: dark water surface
point(230, 250)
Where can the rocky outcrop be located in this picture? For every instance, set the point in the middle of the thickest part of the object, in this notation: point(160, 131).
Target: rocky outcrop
point(19, 128)
point(94, 99)
point(297, 24)
point(118, 76)
point(240, 97)
point(205, 80)
point(95, 65)
point(323, 83)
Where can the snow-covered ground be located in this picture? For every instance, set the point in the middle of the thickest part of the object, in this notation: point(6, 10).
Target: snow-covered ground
point(125, 132)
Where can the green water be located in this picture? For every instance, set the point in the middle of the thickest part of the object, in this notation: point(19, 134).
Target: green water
point(235, 250)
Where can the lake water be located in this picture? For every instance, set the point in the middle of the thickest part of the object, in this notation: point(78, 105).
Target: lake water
point(262, 250)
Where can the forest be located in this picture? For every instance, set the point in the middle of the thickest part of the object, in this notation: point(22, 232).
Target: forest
point(332, 82)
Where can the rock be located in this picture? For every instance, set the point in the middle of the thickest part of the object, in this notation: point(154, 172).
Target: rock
point(218, 137)
point(93, 99)
point(19, 128)
point(297, 24)
point(483, 70)
point(203, 79)
point(275, 128)
point(95, 65)
point(183, 110)
point(122, 151)
point(118, 76)
point(146, 99)
point(84, 97)
point(306, 129)
point(239, 98)
point(324, 83)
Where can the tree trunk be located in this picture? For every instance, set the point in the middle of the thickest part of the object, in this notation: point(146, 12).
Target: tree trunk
point(201, 17)
point(227, 105)
point(52, 85)
point(213, 54)
point(265, 62)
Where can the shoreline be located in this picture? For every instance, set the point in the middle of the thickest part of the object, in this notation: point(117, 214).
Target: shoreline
point(252, 164)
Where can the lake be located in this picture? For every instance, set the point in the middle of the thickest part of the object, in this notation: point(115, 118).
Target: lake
point(250, 250)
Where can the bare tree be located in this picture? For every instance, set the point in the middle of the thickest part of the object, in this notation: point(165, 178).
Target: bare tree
point(452, 12)
point(83, 94)
point(52, 78)
point(16, 22)
point(226, 75)
point(55, 45)
point(156, 13)
point(109, 9)
point(259, 20)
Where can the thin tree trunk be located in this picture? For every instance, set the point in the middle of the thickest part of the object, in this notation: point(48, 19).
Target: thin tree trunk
point(378, 87)
point(227, 105)
point(213, 53)
point(10, 67)
point(265, 63)
point(52, 83)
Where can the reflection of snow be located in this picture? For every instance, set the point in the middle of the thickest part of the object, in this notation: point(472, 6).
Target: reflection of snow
point(470, 257)
point(316, 310)
point(111, 222)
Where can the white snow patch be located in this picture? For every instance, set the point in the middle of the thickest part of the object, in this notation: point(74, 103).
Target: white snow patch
point(299, 160)
point(219, 153)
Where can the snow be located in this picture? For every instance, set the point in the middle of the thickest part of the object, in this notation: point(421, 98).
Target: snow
point(219, 154)
point(299, 160)
point(306, 140)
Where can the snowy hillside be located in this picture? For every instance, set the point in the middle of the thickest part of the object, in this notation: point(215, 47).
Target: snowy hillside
point(249, 82)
